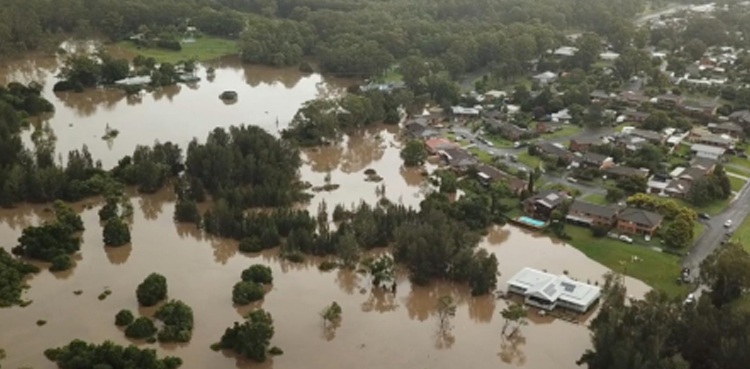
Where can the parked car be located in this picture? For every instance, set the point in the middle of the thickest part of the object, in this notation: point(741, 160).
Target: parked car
point(571, 180)
point(728, 223)
point(690, 299)
point(704, 216)
point(625, 238)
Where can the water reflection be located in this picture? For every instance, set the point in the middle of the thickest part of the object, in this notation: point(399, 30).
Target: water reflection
point(380, 300)
point(348, 280)
point(482, 309)
point(511, 350)
point(118, 255)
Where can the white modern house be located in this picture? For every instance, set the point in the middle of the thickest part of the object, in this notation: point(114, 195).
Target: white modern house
point(548, 291)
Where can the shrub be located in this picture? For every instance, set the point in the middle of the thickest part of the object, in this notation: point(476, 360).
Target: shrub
point(60, 263)
point(152, 290)
point(258, 273)
point(305, 67)
point(599, 231)
point(250, 244)
point(276, 351)
point(79, 354)
point(124, 318)
point(251, 338)
point(116, 232)
point(141, 328)
point(178, 322)
point(244, 293)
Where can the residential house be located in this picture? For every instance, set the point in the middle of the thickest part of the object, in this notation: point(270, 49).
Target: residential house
point(553, 150)
point(419, 129)
point(545, 78)
point(547, 291)
point(541, 205)
point(584, 144)
point(702, 135)
point(458, 159)
point(707, 152)
point(489, 174)
point(699, 109)
point(600, 95)
point(630, 142)
point(707, 165)
point(588, 214)
point(461, 111)
point(594, 160)
point(669, 100)
point(636, 116)
point(633, 98)
point(741, 117)
point(652, 137)
point(494, 95)
point(681, 180)
point(625, 172)
point(548, 127)
point(638, 221)
point(566, 51)
point(435, 145)
point(730, 129)
point(508, 131)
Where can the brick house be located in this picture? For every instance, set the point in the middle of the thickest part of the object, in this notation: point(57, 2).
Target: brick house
point(583, 144)
point(638, 221)
point(555, 151)
point(588, 214)
point(488, 174)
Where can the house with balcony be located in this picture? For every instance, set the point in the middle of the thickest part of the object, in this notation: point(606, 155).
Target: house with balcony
point(541, 205)
point(638, 221)
point(548, 291)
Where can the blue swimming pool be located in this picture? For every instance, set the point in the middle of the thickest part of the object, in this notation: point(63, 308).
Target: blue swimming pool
point(531, 221)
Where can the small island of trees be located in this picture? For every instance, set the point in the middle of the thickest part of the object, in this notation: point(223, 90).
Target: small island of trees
point(251, 338)
point(152, 290)
point(80, 354)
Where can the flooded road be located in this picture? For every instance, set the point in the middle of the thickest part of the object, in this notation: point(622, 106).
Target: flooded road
point(378, 330)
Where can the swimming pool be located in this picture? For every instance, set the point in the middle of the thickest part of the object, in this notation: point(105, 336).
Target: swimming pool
point(531, 221)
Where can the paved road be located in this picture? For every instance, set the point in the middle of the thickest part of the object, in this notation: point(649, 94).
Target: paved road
point(715, 231)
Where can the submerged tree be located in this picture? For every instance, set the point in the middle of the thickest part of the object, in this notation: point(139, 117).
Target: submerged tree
point(152, 290)
point(514, 314)
point(251, 338)
point(331, 314)
point(446, 309)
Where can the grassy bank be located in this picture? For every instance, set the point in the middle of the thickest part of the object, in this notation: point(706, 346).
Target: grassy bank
point(203, 49)
point(736, 183)
point(742, 234)
point(657, 269)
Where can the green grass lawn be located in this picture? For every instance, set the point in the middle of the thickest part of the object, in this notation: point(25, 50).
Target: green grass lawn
point(482, 155)
point(596, 198)
point(658, 270)
point(566, 131)
point(203, 49)
point(529, 160)
point(736, 183)
point(742, 234)
point(499, 141)
point(391, 75)
point(740, 162)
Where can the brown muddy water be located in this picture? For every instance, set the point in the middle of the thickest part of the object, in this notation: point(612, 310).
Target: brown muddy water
point(378, 329)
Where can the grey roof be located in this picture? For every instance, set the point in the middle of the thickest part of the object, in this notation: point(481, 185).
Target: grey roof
point(459, 157)
point(587, 141)
point(593, 209)
point(649, 135)
point(693, 173)
point(729, 126)
point(549, 198)
point(641, 217)
point(627, 171)
point(703, 163)
point(708, 149)
point(552, 149)
point(741, 116)
point(593, 157)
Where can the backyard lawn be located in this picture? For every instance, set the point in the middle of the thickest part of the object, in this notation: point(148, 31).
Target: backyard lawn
point(529, 160)
point(596, 198)
point(499, 141)
point(482, 155)
point(391, 75)
point(203, 49)
point(740, 162)
point(567, 130)
point(658, 270)
point(736, 183)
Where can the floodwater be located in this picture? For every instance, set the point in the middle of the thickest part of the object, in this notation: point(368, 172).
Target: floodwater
point(378, 329)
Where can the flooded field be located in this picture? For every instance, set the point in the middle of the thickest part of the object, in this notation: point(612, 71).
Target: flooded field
point(378, 330)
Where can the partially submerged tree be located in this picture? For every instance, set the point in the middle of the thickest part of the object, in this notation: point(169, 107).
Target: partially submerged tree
point(331, 314)
point(514, 314)
point(152, 290)
point(446, 309)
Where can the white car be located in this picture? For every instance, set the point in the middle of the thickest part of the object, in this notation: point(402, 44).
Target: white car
point(728, 223)
point(625, 238)
point(690, 299)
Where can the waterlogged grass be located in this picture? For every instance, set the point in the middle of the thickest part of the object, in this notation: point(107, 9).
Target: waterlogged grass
point(203, 49)
point(658, 270)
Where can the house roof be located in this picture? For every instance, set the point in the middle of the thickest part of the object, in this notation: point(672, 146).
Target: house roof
point(458, 157)
point(703, 163)
point(680, 186)
point(587, 141)
point(636, 114)
point(439, 143)
point(627, 171)
point(592, 157)
point(741, 116)
point(641, 217)
point(669, 97)
point(729, 126)
point(593, 209)
point(545, 75)
point(513, 183)
point(692, 174)
point(553, 149)
point(633, 96)
point(552, 288)
point(549, 198)
point(714, 150)
point(649, 135)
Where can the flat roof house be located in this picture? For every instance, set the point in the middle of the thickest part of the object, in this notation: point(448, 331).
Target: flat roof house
point(638, 221)
point(588, 214)
point(548, 291)
point(707, 152)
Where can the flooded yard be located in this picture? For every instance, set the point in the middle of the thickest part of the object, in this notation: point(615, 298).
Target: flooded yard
point(379, 329)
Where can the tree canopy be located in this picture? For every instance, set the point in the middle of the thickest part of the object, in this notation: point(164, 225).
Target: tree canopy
point(152, 290)
point(80, 354)
point(250, 338)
